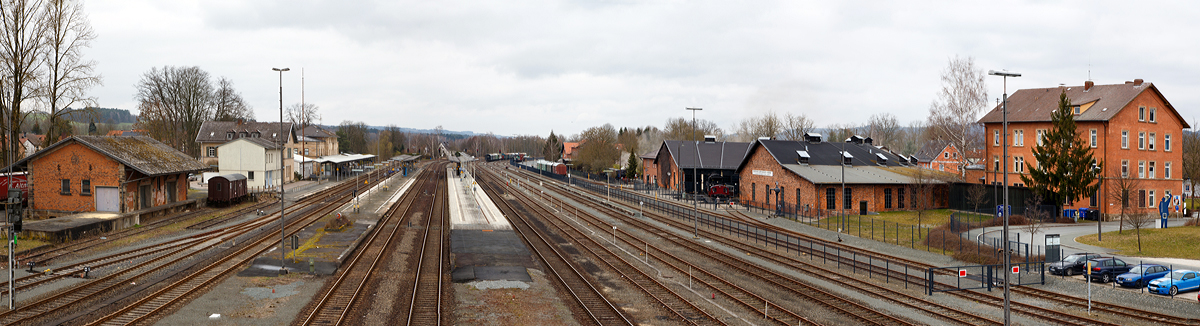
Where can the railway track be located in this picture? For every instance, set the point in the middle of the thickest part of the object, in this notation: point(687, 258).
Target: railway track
point(1028, 309)
point(595, 306)
point(429, 286)
point(769, 308)
point(154, 263)
point(339, 297)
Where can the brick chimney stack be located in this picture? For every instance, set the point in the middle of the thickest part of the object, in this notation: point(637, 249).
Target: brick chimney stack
point(1137, 82)
point(1087, 85)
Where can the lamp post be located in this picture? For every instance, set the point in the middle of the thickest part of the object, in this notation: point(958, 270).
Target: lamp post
point(1004, 207)
point(282, 202)
point(695, 201)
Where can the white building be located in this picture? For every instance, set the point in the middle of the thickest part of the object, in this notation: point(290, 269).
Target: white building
point(258, 159)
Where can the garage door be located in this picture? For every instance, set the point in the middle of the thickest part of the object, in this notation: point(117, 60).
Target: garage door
point(108, 199)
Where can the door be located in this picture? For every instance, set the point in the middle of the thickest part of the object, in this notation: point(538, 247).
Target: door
point(108, 199)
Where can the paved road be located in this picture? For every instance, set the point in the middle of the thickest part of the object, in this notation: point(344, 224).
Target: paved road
point(1068, 233)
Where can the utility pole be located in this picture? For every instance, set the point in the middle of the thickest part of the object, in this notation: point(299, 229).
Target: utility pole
point(695, 185)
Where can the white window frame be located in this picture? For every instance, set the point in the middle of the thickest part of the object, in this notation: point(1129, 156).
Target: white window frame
point(1153, 114)
point(1150, 199)
point(1124, 168)
point(1018, 137)
point(1150, 141)
point(1141, 113)
point(1018, 164)
point(1150, 170)
point(1093, 139)
point(1041, 133)
point(1166, 142)
point(1167, 170)
point(996, 137)
point(1142, 140)
point(1141, 169)
point(1125, 139)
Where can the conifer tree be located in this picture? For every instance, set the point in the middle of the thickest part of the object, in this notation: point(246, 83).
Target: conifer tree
point(1065, 170)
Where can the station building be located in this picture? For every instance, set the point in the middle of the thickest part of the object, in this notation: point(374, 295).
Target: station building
point(1133, 131)
point(808, 177)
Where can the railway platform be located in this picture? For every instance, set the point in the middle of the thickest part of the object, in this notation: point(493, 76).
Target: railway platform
point(316, 250)
point(483, 244)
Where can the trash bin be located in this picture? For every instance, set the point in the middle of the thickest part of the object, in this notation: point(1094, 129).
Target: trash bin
point(1093, 215)
point(1083, 213)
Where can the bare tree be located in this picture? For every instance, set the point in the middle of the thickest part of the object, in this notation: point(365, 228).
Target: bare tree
point(953, 114)
point(302, 117)
point(1123, 189)
point(840, 132)
point(795, 126)
point(681, 129)
point(768, 125)
point(1035, 216)
point(922, 189)
point(599, 150)
point(1191, 159)
point(1139, 221)
point(884, 129)
point(174, 102)
point(976, 195)
point(68, 75)
point(23, 25)
point(229, 104)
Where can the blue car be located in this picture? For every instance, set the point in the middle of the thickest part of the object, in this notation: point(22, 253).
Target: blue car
point(1172, 284)
point(1140, 275)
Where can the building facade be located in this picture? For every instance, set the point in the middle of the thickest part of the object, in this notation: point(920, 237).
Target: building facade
point(1131, 128)
point(258, 160)
point(213, 134)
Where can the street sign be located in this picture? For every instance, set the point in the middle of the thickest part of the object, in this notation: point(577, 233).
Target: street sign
point(962, 273)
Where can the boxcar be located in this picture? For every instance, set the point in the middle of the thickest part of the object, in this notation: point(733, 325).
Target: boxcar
point(227, 189)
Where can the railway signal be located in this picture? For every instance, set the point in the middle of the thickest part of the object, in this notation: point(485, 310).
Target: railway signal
point(962, 273)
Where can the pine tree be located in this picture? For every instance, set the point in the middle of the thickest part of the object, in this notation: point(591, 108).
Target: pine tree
point(633, 169)
point(1066, 170)
point(37, 128)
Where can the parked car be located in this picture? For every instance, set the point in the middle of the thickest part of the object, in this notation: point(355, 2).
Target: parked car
point(1176, 281)
point(1106, 269)
point(1072, 264)
point(1139, 275)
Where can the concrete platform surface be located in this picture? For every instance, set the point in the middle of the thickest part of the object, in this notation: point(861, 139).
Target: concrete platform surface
point(470, 207)
point(489, 255)
point(70, 221)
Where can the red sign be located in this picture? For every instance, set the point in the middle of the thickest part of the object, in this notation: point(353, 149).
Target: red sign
point(962, 273)
point(1016, 269)
point(19, 181)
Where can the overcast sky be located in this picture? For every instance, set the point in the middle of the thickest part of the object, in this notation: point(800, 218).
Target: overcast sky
point(529, 67)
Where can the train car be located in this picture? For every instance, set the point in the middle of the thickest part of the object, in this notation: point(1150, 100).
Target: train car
point(227, 189)
point(494, 157)
point(17, 180)
point(551, 167)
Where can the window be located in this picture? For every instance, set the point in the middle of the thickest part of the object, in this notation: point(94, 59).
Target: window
point(945, 154)
point(1095, 199)
point(941, 167)
point(251, 177)
point(996, 137)
point(1018, 137)
point(1141, 198)
point(1167, 142)
point(830, 200)
point(887, 198)
point(243, 134)
point(1075, 110)
point(212, 151)
point(1124, 138)
point(1152, 114)
point(1093, 139)
point(1166, 170)
point(767, 194)
point(1124, 168)
point(305, 151)
point(1018, 164)
point(995, 163)
point(1141, 169)
point(900, 197)
point(797, 200)
point(255, 135)
point(229, 135)
point(1041, 133)
point(1150, 141)
point(1142, 140)
point(66, 187)
point(753, 192)
point(1150, 199)
point(846, 198)
point(1141, 113)
point(85, 187)
point(1150, 171)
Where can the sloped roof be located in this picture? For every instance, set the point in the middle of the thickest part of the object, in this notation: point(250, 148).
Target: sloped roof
point(316, 132)
point(141, 153)
point(931, 149)
point(267, 144)
point(215, 131)
point(1037, 104)
point(825, 164)
point(707, 155)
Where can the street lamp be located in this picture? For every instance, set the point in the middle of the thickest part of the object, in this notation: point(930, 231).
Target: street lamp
point(1004, 208)
point(282, 143)
point(695, 200)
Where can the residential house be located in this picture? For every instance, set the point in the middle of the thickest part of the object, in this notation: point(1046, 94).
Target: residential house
point(1132, 129)
point(213, 134)
point(941, 156)
point(258, 159)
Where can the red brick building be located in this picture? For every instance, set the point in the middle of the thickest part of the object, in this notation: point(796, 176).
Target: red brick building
point(649, 168)
point(940, 156)
point(807, 177)
point(685, 165)
point(101, 173)
point(1131, 127)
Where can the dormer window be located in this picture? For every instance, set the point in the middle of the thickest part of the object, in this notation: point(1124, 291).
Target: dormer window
point(847, 159)
point(1075, 109)
point(882, 158)
point(242, 134)
point(803, 157)
point(256, 134)
point(229, 135)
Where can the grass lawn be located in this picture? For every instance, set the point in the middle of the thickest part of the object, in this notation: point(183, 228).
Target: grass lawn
point(895, 227)
point(930, 218)
point(1176, 242)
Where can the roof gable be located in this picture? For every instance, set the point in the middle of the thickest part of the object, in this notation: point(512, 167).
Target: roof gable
point(217, 131)
point(141, 153)
point(707, 155)
point(1037, 104)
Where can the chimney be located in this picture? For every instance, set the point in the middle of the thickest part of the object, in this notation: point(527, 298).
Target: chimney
point(1088, 85)
point(1137, 82)
point(240, 121)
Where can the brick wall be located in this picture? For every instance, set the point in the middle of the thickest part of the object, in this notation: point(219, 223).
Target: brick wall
point(75, 163)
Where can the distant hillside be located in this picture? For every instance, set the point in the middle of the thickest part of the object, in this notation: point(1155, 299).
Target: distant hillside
point(100, 115)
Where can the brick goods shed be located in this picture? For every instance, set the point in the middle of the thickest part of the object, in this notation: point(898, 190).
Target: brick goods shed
point(680, 163)
point(807, 177)
point(106, 173)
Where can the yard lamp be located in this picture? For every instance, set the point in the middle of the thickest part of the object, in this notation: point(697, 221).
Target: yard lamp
point(695, 200)
point(1004, 209)
point(282, 145)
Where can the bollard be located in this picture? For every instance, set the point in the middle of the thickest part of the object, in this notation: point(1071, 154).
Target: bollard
point(312, 266)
